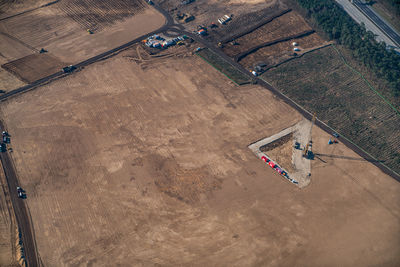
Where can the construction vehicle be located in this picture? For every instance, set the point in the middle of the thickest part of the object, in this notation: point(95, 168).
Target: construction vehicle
point(182, 17)
point(69, 68)
point(213, 25)
point(297, 145)
point(21, 192)
point(3, 147)
point(308, 154)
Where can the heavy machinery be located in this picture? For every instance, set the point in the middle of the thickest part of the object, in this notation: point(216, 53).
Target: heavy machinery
point(308, 148)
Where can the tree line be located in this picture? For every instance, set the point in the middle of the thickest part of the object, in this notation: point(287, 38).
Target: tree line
point(338, 25)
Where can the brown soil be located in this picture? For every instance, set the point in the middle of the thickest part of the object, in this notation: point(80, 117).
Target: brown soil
point(7, 225)
point(288, 24)
point(62, 32)
point(245, 14)
point(277, 143)
point(276, 53)
point(187, 185)
point(281, 151)
point(8, 81)
point(90, 149)
point(95, 14)
point(34, 67)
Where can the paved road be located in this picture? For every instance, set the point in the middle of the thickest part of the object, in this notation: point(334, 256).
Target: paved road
point(378, 21)
point(359, 17)
point(20, 210)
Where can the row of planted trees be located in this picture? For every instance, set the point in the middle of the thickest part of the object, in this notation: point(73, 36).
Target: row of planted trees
point(338, 25)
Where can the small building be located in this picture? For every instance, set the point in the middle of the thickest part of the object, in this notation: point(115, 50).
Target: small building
point(296, 49)
point(295, 44)
point(224, 19)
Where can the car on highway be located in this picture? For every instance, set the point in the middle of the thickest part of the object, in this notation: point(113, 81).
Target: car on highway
point(21, 192)
point(6, 139)
point(3, 147)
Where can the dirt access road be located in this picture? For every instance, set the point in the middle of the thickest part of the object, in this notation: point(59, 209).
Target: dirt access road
point(125, 165)
point(21, 212)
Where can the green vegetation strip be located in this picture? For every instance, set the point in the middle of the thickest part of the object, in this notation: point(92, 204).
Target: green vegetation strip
point(224, 67)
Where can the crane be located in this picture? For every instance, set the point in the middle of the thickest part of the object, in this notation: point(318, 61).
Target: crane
point(308, 148)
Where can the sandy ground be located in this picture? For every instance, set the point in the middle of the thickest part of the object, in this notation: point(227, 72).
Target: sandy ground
point(9, 81)
point(7, 224)
point(208, 11)
point(9, 8)
point(132, 167)
point(279, 52)
point(286, 25)
point(51, 29)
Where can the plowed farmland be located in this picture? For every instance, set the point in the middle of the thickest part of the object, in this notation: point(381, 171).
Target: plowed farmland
point(272, 43)
point(288, 24)
point(132, 166)
point(95, 15)
point(281, 51)
point(322, 83)
point(62, 28)
point(34, 67)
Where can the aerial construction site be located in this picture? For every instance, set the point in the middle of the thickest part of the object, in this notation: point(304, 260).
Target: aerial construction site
point(133, 136)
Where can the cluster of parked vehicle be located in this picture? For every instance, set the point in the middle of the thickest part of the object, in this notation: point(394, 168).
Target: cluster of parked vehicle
point(21, 192)
point(275, 166)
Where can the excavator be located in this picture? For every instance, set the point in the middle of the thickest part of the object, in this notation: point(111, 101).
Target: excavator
point(308, 154)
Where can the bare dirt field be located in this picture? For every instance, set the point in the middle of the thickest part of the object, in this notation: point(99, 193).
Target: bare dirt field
point(7, 225)
point(12, 7)
point(285, 25)
point(126, 166)
point(244, 13)
point(9, 81)
point(279, 52)
point(62, 28)
point(34, 67)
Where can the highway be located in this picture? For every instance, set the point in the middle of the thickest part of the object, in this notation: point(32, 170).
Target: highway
point(359, 17)
point(21, 210)
point(366, 9)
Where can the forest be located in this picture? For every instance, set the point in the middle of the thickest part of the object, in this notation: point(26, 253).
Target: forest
point(338, 25)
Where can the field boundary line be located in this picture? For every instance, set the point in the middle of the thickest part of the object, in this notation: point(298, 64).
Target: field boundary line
point(299, 56)
point(255, 27)
point(217, 69)
point(30, 10)
point(254, 49)
point(333, 130)
point(366, 81)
